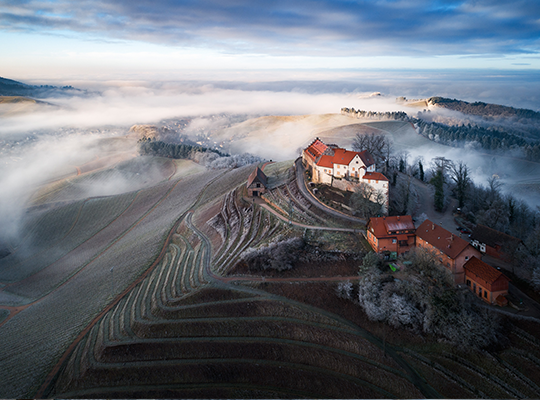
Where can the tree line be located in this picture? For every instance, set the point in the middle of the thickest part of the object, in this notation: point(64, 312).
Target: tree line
point(496, 139)
point(484, 109)
point(172, 150)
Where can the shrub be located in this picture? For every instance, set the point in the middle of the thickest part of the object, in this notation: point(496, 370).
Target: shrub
point(277, 255)
point(424, 300)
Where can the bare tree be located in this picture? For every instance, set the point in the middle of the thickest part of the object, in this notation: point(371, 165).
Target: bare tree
point(460, 174)
point(378, 145)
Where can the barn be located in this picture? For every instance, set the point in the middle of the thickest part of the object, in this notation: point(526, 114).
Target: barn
point(257, 183)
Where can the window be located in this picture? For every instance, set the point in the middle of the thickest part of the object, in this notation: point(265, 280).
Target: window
point(485, 294)
point(474, 287)
point(469, 282)
point(393, 240)
point(480, 291)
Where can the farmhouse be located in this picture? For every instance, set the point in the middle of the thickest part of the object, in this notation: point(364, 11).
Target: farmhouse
point(494, 243)
point(488, 283)
point(256, 183)
point(453, 252)
point(391, 234)
point(344, 169)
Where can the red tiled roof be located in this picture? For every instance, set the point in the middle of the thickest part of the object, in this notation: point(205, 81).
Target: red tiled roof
point(383, 225)
point(483, 270)
point(326, 162)
point(376, 176)
point(399, 223)
point(440, 238)
point(315, 149)
point(343, 157)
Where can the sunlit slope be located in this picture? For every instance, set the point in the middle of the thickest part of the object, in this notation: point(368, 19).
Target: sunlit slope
point(16, 105)
point(279, 137)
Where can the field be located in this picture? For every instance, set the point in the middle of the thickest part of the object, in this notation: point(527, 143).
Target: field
point(143, 292)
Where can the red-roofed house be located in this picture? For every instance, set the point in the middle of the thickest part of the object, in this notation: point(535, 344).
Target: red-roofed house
point(453, 251)
point(328, 162)
point(393, 234)
point(488, 283)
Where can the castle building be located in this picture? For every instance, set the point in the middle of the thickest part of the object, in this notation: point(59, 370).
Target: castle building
point(344, 169)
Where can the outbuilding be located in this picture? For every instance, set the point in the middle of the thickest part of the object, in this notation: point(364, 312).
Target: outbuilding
point(256, 183)
point(488, 283)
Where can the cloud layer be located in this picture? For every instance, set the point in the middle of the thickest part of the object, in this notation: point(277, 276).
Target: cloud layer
point(308, 27)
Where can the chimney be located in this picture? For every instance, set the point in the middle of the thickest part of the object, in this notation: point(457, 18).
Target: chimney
point(398, 217)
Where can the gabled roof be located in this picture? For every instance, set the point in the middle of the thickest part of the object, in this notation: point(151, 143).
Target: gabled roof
point(376, 176)
point(483, 270)
point(383, 226)
point(440, 238)
point(493, 238)
point(399, 223)
point(257, 176)
point(316, 149)
point(366, 158)
point(326, 161)
point(343, 157)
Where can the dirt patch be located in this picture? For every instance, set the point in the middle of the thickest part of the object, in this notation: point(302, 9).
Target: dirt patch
point(346, 265)
point(334, 197)
point(323, 295)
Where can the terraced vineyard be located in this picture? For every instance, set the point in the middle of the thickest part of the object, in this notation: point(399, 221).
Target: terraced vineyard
point(147, 302)
point(188, 330)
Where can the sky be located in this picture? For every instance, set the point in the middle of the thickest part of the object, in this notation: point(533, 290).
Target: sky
point(263, 40)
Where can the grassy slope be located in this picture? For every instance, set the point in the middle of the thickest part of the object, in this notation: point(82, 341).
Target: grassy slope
point(31, 342)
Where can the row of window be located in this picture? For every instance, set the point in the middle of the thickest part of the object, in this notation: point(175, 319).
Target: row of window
point(479, 289)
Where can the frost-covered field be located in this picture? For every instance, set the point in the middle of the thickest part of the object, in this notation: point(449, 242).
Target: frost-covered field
point(32, 340)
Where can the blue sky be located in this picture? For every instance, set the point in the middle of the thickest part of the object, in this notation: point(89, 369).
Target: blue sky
point(142, 39)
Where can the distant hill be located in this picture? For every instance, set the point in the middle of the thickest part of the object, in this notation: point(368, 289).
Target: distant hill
point(9, 87)
point(483, 109)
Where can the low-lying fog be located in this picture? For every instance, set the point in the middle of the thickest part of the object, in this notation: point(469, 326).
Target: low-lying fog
point(39, 146)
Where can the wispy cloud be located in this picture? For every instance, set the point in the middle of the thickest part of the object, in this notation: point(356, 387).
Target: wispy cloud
point(301, 27)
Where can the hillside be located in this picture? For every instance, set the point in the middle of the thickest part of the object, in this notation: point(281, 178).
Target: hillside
point(9, 87)
point(278, 137)
point(15, 105)
point(483, 109)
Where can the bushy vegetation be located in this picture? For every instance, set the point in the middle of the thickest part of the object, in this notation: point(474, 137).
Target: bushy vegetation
point(210, 158)
point(422, 298)
point(172, 150)
point(376, 115)
point(215, 160)
point(280, 255)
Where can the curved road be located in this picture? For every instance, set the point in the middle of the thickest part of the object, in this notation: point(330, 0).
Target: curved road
point(301, 183)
